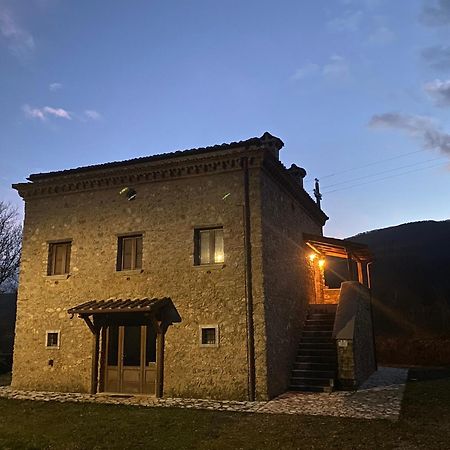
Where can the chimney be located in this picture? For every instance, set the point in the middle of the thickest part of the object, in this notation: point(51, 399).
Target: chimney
point(298, 173)
point(272, 143)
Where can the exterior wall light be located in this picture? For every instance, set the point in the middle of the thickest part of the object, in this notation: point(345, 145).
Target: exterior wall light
point(321, 263)
point(312, 257)
point(129, 193)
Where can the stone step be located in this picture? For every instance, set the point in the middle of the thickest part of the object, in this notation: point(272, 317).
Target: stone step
point(317, 374)
point(318, 339)
point(329, 317)
point(318, 328)
point(326, 333)
point(316, 345)
point(324, 359)
point(329, 323)
point(302, 381)
point(315, 352)
point(304, 388)
point(308, 365)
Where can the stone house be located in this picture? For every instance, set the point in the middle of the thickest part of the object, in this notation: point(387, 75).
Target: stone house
point(183, 274)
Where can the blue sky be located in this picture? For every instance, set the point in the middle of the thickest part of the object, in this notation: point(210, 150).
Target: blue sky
point(359, 91)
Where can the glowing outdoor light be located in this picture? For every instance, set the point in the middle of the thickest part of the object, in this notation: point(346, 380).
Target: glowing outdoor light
point(312, 257)
point(321, 263)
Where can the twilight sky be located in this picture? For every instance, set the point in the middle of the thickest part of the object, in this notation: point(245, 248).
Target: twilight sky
point(358, 90)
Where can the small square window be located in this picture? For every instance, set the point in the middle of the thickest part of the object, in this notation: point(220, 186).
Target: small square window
point(52, 339)
point(59, 258)
point(209, 246)
point(209, 336)
point(129, 252)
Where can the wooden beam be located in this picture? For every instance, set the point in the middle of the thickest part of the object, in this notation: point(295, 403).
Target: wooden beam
point(88, 323)
point(160, 336)
point(102, 358)
point(95, 352)
point(360, 272)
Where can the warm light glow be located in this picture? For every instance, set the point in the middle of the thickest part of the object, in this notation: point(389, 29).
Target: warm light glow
point(312, 257)
point(321, 263)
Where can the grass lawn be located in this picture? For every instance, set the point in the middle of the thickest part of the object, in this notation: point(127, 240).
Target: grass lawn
point(424, 423)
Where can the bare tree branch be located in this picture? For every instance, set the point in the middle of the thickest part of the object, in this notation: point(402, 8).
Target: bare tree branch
point(10, 246)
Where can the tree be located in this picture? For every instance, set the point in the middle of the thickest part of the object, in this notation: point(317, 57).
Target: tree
point(10, 246)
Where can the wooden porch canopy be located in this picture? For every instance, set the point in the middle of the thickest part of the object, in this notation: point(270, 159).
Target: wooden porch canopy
point(99, 314)
point(339, 248)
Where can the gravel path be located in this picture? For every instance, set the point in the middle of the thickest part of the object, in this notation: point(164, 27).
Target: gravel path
point(379, 397)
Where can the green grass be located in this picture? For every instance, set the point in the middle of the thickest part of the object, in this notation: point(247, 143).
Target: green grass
point(424, 423)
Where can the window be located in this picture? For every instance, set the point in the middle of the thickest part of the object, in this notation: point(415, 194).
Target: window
point(59, 258)
point(209, 335)
point(129, 254)
point(52, 339)
point(209, 246)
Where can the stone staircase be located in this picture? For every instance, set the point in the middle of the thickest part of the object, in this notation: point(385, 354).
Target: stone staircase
point(315, 366)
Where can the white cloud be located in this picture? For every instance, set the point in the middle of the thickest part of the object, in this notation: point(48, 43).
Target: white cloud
point(305, 71)
point(381, 36)
point(92, 114)
point(439, 91)
point(350, 21)
point(19, 41)
point(421, 127)
point(45, 112)
point(336, 68)
point(55, 86)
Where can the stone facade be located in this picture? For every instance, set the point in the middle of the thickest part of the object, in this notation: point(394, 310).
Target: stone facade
point(176, 194)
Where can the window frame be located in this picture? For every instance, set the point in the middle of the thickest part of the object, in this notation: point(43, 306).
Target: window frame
point(58, 333)
point(212, 245)
point(120, 254)
point(215, 327)
point(51, 260)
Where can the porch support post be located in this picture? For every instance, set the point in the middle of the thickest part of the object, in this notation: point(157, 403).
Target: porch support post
point(161, 332)
point(102, 358)
point(360, 272)
point(95, 353)
point(350, 266)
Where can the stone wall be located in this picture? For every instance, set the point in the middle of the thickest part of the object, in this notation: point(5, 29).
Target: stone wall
point(331, 295)
point(288, 284)
point(353, 331)
point(165, 212)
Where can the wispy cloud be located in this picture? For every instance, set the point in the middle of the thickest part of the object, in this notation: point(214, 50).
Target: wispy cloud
point(439, 91)
point(305, 71)
point(420, 127)
point(19, 41)
point(336, 68)
point(55, 86)
point(350, 21)
point(381, 36)
point(92, 114)
point(437, 15)
point(46, 112)
point(437, 57)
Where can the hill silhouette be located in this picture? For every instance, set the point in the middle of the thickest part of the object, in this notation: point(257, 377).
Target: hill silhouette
point(411, 291)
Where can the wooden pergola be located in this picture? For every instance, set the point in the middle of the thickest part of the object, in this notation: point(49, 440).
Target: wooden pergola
point(99, 314)
point(340, 248)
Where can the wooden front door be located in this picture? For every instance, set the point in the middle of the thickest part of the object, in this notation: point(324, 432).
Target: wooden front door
point(130, 359)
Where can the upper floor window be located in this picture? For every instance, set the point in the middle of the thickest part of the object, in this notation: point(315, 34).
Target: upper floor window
point(209, 246)
point(129, 253)
point(59, 258)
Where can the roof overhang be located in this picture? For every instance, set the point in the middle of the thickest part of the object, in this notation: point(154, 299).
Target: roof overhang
point(338, 248)
point(159, 308)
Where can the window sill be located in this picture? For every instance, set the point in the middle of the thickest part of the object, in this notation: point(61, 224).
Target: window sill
point(209, 345)
point(210, 266)
point(63, 276)
point(127, 273)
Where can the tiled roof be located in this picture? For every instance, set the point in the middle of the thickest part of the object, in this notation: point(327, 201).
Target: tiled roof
point(266, 139)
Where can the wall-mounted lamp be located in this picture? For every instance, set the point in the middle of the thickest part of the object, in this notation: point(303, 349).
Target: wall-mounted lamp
point(129, 193)
point(312, 257)
point(321, 263)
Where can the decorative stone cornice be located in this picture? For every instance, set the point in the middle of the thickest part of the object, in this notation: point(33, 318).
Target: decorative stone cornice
point(216, 162)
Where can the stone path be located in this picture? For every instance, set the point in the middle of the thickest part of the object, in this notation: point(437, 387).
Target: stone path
point(379, 398)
